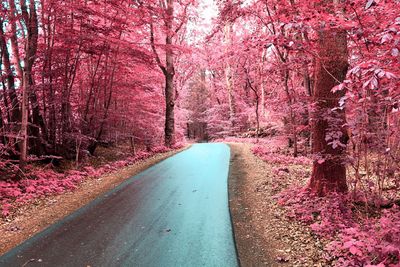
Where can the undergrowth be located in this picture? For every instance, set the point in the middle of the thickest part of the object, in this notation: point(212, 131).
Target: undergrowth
point(356, 234)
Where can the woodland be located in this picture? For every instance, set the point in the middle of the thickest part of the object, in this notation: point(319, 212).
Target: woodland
point(307, 82)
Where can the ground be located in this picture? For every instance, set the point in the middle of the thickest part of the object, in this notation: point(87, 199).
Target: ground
point(33, 218)
point(264, 235)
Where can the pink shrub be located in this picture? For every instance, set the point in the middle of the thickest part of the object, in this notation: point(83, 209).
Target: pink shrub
point(178, 145)
point(267, 154)
point(141, 155)
point(160, 149)
point(354, 240)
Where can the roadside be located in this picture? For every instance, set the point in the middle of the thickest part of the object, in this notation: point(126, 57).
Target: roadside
point(36, 216)
point(264, 235)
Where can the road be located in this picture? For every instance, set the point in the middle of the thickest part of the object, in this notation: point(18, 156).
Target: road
point(173, 214)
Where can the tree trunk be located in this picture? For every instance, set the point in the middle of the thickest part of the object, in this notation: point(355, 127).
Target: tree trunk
point(24, 123)
point(38, 128)
point(257, 117)
point(169, 78)
point(329, 170)
point(292, 118)
point(31, 22)
point(168, 70)
point(15, 105)
point(262, 85)
point(3, 139)
point(229, 76)
point(169, 110)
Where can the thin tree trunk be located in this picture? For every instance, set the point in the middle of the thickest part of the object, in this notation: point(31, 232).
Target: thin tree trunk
point(257, 98)
point(262, 85)
point(93, 146)
point(31, 22)
point(229, 77)
point(291, 111)
point(15, 105)
point(24, 122)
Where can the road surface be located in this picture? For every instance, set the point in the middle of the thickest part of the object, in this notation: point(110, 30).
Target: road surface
point(173, 214)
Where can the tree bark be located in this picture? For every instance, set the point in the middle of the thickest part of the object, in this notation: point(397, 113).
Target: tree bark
point(292, 118)
point(168, 71)
point(31, 22)
point(169, 110)
point(15, 105)
point(329, 170)
point(229, 76)
point(169, 79)
point(262, 85)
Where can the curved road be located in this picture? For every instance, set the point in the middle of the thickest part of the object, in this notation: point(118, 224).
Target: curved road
point(173, 214)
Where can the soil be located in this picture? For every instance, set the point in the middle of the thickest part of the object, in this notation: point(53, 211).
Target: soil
point(264, 235)
point(35, 217)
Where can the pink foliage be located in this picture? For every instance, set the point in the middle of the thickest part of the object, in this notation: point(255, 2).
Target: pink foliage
point(160, 149)
point(42, 183)
point(267, 155)
point(354, 241)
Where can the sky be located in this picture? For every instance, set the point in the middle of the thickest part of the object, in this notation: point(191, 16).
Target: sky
point(209, 10)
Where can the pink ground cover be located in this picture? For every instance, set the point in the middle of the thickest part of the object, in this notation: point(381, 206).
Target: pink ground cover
point(45, 182)
point(267, 154)
point(354, 237)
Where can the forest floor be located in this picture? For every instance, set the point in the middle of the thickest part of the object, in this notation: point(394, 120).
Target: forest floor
point(32, 218)
point(265, 236)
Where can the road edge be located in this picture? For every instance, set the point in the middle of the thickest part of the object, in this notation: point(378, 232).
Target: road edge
point(248, 242)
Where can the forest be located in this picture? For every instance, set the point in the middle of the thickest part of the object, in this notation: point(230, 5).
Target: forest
point(307, 83)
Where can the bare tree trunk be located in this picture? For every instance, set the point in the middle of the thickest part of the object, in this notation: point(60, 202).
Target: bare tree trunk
point(132, 142)
point(24, 123)
point(15, 105)
point(329, 172)
point(168, 71)
point(257, 118)
point(3, 138)
point(169, 110)
point(229, 76)
point(292, 118)
point(257, 98)
point(169, 79)
point(262, 85)
point(92, 147)
point(309, 90)
point(31, 22)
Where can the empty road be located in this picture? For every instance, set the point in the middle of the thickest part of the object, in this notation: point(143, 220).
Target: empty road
point(173, 214)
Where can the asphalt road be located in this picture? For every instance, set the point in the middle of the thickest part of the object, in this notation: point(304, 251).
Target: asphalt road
point(173, 214)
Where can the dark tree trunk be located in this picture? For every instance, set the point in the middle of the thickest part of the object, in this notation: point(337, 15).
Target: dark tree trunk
point(169, 110)
point(92, 147)
point(290, 100)
point(169, 78)
point(329, 172)
point(31, 22)
point(15, 105)
point(38, 129)
point(3, 139)
point(168, 71)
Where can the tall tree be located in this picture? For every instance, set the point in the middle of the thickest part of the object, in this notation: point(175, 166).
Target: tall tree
point(167, 66)
point(31, 23)
point(328, 126)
